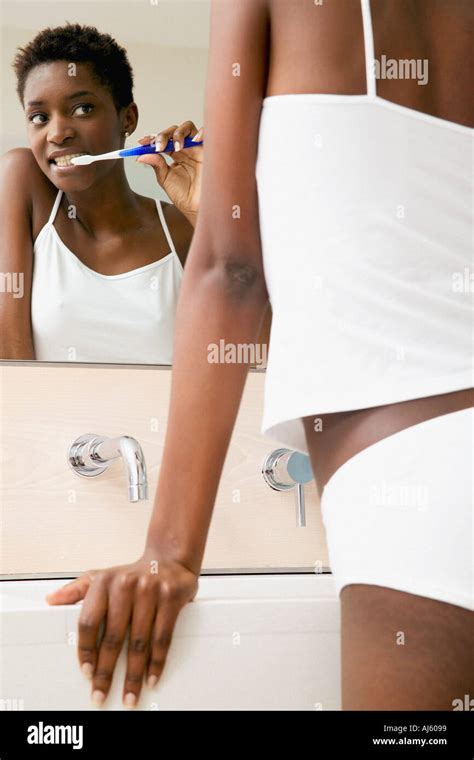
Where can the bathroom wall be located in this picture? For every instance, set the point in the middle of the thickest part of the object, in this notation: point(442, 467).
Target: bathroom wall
point(54, 521)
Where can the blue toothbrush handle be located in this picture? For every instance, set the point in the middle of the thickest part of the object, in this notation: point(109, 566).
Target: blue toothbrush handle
point(142, 150)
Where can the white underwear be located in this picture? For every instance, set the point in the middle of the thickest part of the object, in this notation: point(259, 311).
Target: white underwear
point(399, 513)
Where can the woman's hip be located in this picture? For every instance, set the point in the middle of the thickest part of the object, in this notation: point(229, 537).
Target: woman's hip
point(343, 435)
point(399, 513)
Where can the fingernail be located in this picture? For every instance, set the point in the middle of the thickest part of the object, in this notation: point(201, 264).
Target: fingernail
point(97, 697)
point(152, 681)
point(196, 137)
point(87, 669)
point(176, 146)
point(130, 699)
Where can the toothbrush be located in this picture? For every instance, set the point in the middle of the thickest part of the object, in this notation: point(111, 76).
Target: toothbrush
point(139, 150)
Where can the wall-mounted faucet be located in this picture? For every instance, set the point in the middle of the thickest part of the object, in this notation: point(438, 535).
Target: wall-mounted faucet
point(284, 469)
point(91, 454)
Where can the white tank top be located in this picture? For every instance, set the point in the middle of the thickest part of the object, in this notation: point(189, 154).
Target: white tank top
point(81, 315)
point(366, 245)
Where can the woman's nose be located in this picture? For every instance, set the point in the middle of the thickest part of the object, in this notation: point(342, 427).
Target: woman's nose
point(59, 130)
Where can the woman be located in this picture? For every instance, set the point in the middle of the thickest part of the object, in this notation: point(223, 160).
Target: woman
point(353, 218)
point(108, 262)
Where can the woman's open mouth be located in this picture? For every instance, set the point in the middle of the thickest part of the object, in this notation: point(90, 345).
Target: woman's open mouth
point(65, 160)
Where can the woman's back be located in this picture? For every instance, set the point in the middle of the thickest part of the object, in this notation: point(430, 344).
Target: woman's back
point(320, 48)
point(366, 238)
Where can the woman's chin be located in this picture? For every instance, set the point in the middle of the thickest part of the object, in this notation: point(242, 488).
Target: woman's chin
point(71, 177)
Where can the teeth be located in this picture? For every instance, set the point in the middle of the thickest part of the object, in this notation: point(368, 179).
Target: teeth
point(66, 160)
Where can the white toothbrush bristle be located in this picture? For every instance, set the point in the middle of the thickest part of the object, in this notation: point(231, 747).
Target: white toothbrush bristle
point(82, 160)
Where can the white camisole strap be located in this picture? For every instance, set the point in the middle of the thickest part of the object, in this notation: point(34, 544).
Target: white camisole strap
point(165, 226)
point(368, 48)
point(54, 210)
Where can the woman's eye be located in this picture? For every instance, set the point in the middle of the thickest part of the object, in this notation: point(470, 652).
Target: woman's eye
point(37, 118)
point(86, 108)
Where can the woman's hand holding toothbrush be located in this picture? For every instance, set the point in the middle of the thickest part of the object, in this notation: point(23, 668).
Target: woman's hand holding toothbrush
point(180, 180)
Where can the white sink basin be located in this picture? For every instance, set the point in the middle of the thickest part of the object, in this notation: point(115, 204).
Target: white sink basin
point(247, 642)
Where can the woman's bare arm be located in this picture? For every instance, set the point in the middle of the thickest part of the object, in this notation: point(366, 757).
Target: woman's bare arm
point(16, 254)
point(223, 295)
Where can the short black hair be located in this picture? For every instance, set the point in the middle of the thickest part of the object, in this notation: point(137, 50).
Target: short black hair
point(76, 43)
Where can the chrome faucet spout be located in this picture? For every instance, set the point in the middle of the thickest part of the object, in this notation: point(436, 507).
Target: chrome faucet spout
point(131, 452)
point(91, 454)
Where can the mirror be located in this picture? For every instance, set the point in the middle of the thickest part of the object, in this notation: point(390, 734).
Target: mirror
point(93, 256)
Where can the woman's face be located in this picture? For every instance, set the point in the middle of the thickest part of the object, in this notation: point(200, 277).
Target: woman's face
point(71, 114)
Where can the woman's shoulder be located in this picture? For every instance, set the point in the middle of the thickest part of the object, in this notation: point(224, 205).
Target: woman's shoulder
point(22, 177)
point(22, 163)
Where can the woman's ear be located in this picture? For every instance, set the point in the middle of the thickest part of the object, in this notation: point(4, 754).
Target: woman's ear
point(129, 119)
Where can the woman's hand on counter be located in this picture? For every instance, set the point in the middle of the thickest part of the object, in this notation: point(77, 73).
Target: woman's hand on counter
point(147, 594)
point(180, 180)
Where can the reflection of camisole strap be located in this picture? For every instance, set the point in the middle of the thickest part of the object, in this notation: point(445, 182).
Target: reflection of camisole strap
point(165, 226)
point(54, 210)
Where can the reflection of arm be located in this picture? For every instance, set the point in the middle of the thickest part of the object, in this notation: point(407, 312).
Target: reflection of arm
point(16, 254)
point(223, 294)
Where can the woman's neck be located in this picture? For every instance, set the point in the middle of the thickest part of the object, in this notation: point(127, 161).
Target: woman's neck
point(108, 207)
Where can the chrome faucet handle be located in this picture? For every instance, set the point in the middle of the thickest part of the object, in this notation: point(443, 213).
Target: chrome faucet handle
point(91, 454)
point(284, 469)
